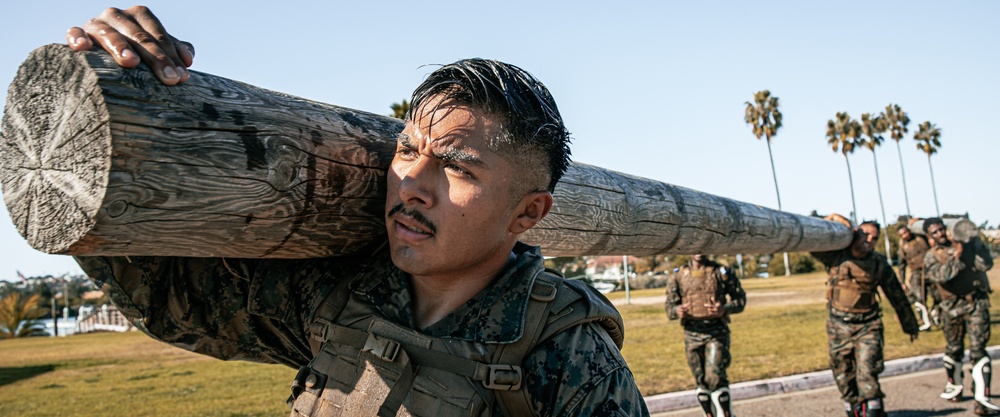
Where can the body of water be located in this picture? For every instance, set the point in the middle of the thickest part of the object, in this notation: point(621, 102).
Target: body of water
point(66, 326)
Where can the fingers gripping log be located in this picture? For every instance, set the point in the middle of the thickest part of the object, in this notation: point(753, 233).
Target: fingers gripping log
point(101, 160)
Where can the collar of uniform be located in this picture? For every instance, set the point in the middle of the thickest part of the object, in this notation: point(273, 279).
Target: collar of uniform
point(495, 315)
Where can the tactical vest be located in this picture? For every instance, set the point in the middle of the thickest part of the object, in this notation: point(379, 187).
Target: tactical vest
point(699, 288)
point(852, 289)
point(967, 282)
point(914, 251)
point(365, 365)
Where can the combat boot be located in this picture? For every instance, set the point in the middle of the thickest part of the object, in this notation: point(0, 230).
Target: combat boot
point(981, 410)
point(981, 376)
point(850, 409)
point(953, 389)
point(872, 408)
point(705, 400)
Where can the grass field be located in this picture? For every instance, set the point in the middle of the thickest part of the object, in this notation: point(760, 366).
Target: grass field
point(110, 374)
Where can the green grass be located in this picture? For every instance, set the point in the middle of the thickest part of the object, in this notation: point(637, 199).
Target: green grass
point(782, 332)
point(115, 374)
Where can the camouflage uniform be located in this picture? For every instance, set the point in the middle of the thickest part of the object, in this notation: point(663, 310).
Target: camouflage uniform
point(706, 341)
point(911, 257)
point(261, 310)
point(965, 309)
point(855, 337)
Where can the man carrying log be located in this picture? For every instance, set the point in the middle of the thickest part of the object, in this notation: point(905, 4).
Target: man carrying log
point(702, 294)
point(912, 248)
point(454, 317)
point(854, 329)
point(959, 271)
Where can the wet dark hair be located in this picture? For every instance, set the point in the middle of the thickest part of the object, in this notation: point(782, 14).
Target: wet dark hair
point(530, 125)
point(932, 221)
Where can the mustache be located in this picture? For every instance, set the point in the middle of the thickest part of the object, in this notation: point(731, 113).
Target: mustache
point(413, 214)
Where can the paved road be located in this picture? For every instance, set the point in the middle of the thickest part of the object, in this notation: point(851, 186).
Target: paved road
point(910, 395)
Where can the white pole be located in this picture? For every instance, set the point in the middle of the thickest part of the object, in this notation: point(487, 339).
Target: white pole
point(628, 297)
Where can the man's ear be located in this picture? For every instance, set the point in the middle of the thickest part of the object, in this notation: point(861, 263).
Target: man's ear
point(532, 209)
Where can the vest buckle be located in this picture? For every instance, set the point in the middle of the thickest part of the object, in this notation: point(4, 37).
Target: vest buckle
point(503, 378)
point(383, 348)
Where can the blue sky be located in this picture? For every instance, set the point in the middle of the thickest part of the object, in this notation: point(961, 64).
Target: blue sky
point(654, 89)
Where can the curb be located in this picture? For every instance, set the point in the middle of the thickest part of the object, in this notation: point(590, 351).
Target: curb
point(753, 389)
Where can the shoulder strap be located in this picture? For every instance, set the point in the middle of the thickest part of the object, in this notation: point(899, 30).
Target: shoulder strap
point(556, 305)
point(334, 303)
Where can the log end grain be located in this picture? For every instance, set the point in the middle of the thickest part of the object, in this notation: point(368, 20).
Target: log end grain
point(55, 148)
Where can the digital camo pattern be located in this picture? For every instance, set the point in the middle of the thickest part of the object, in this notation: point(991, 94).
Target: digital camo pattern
point(965, 304)
point(911, 264)
point(708, 356)
point(959, 276)
point(876, 265)
point(260, 310)
point(728, 289)
point(856, 358)
point(706, 342)
point(961, 316)
point(855, 340)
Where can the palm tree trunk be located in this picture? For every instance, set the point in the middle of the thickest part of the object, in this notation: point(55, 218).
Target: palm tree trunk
point(854, 205)
point(774, 174)
point(885, 224)
point(906, 195)
point(933, 186)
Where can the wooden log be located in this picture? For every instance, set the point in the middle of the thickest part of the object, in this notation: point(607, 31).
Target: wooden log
point(962, 229)
point(101, 160)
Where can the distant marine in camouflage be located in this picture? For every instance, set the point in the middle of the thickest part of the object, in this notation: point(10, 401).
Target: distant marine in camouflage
point(854, 328)
point(958, 268)
point(703, 294)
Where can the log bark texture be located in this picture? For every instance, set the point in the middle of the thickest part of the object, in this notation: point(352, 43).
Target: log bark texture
point(101, 160)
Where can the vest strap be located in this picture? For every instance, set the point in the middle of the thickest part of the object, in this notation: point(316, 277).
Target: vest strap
point(500, 377)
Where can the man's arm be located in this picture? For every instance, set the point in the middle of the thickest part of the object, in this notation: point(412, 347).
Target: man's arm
point(255, 310)
point(897, 297)
point(674, 301)
point(984, 260)
point(737, 297)
point(941, 270)
point(902, 264)
point(832, 258)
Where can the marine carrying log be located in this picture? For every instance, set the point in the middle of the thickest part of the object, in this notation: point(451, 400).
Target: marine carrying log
point(101, 160)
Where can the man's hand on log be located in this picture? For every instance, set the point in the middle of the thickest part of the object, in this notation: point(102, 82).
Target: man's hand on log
point(132, 36)
point(834, 217)
point(955, 244)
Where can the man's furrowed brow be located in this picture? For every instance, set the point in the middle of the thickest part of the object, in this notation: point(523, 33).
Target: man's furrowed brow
point(404, 140)
point(459, 155)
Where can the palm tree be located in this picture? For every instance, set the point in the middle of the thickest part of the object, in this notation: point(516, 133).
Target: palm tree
point(18, 317)
point(897, 121)
point(764, 119)
point(844, 133)
point(399, 110)
point(873, 127)
point(929, 137)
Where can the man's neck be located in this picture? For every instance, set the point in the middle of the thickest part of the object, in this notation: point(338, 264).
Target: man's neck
point(436, 296)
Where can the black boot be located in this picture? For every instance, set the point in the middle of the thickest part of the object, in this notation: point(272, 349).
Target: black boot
point(873, 408)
